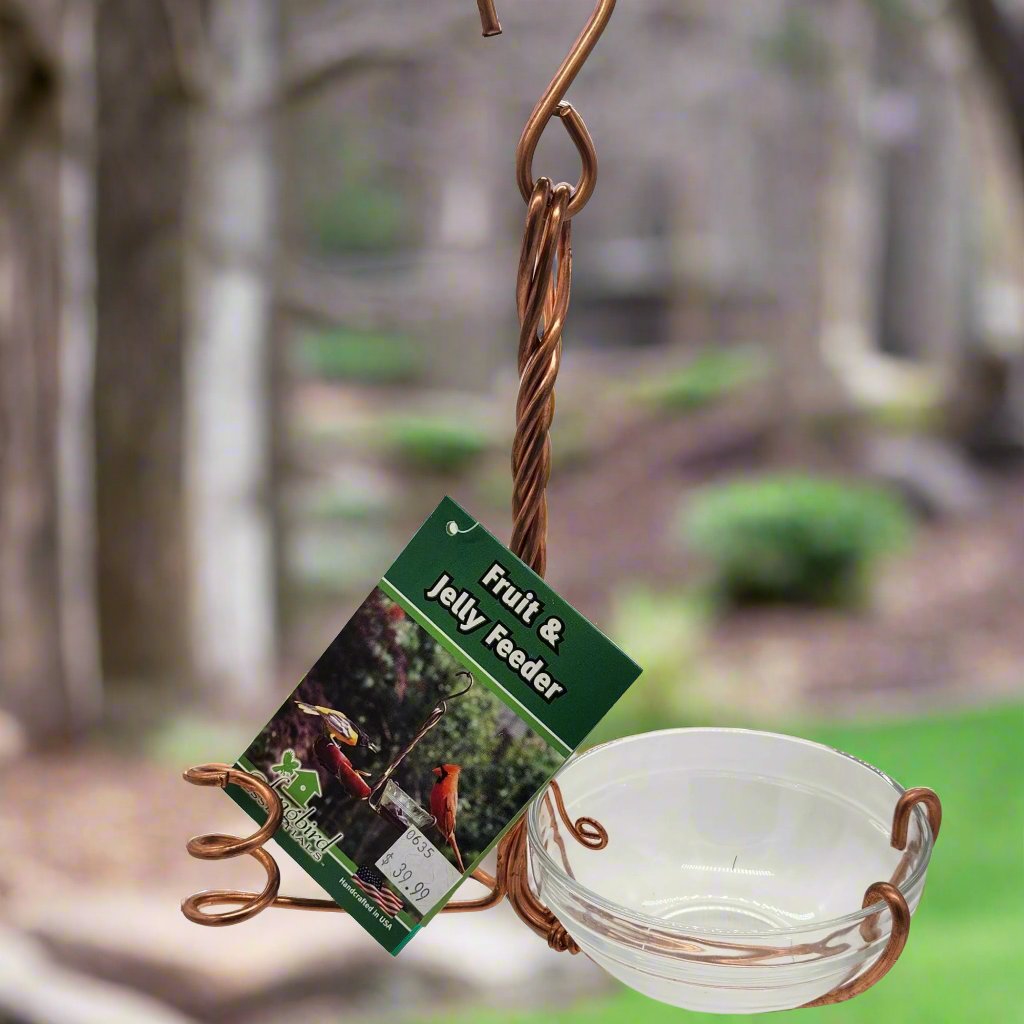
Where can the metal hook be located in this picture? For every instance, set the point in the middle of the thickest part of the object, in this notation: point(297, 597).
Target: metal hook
point(461, 693)
point(551, 105)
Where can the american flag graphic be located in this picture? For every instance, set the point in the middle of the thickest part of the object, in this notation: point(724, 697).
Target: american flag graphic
point(372, 882)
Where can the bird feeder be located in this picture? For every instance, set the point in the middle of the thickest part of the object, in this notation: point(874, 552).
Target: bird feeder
point(387, 798)
point(714, 869)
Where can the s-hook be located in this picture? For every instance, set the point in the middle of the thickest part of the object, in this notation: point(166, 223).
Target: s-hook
point(552, 104)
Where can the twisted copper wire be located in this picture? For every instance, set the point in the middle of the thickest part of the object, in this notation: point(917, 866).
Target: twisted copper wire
point(542, 297)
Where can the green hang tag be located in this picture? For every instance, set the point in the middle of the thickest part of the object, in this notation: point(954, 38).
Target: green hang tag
point(453, 694)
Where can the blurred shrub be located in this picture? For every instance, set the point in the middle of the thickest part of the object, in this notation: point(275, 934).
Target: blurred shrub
point(364, 217)
point(663, 633)
point(347, 504)
point(328, 559)
point(344, 354)
point(797, 44)
point(794, 538)
point(186, 738)
point(435, 443)
point(711, 376)
point(894, 13)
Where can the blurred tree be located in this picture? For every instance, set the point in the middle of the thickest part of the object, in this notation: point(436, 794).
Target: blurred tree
point(48, 672)
point(186, 194)
point(142, 159)
point(232, 192)
point(992, 417)
point(997, 27)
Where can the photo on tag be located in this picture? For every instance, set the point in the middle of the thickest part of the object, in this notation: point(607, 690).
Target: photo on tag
point(453, 694)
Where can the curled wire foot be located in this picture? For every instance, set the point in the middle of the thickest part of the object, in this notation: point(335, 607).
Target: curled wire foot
point(217, 846)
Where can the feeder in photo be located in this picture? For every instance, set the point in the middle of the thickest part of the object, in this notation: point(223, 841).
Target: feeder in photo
point(401, 809)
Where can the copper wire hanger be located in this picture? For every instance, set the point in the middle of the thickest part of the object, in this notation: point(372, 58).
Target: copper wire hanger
point(545, 272)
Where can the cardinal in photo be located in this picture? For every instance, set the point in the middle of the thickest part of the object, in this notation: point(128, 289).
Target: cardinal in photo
point(330, 755)
point(444, 804)
point(339, 726)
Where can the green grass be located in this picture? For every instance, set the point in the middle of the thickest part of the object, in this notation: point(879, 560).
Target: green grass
point(963, 962)
point(663, 632)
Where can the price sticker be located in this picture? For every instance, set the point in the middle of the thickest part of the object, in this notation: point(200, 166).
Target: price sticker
point(417, 869)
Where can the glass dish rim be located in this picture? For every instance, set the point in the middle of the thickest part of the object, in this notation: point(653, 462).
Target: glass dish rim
point(783, 974)
point(906, 886)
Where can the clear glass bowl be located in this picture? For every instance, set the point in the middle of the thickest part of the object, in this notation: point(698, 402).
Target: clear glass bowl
point(736, 865)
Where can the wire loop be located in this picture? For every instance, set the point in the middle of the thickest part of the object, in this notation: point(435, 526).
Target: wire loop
point(907, 802)
point(552, 104)
point(900, 913)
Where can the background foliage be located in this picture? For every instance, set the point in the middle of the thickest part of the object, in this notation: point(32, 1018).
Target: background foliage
point(794, 538)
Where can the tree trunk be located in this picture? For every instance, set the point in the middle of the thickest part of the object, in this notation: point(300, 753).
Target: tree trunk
point(140, 319)
point(999, 39)
point(75, 433)
point(852, 208)
point(925, 270)
point(989, 408)
point(459, 268)
point(228, 395)
point(47, 671)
